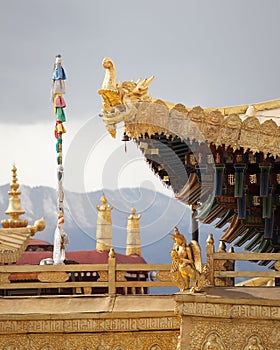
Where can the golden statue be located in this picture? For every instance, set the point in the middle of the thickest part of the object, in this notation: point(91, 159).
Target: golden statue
point(11, 347)
point(213, 342)
point(187, 264)
point(254, 344)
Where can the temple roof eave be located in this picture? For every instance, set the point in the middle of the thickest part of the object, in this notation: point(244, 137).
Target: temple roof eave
point(270, 107)
point(14, 241)
point(256, 128)
point(12, 245)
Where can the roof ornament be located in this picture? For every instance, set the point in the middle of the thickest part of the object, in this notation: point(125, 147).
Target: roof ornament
point(14, 236)
point(251, 111)
point(133, 241)
point(110, 79)
point(104, 225)
point(14, 209)
point(120, 98)
point(187, 264)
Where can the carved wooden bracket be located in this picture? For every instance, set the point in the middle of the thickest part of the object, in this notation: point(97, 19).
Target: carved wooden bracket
point(59, 276)
point(277, 265)
point(103, 276)
point(164, 276)
point(120, 276)
point(4, 277)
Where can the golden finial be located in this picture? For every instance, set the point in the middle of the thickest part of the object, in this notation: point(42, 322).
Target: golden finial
point(13, 184)
point(222, 247)
point(112, 253)
point(210, 239)
point(14, 209)
point(103, 200)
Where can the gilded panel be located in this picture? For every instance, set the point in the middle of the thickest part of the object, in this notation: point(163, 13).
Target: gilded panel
point(193, 125)
point(104, 341)
point(267, 136)
point(212, 126)
point(229, 134)
point(249, 136)
point(231, 334)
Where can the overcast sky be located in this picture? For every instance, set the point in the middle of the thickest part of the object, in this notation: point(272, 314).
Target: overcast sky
point(208, 53)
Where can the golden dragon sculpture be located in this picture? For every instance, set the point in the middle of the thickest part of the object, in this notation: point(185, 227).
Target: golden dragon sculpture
point(120, 98)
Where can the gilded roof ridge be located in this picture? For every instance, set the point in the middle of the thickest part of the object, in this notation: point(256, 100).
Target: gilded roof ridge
point(239, 109)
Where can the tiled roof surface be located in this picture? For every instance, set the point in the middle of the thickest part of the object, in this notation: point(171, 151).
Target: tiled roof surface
point(81, 257)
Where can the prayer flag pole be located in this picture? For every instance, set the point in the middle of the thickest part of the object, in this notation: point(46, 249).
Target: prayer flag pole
point(58, 89)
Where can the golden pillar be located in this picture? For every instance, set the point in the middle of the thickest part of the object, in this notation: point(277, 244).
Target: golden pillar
point(104, 225)
point(133, 242)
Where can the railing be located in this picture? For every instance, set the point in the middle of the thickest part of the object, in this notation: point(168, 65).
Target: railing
point(222, 264)
point(108, 278)
point(113, 278)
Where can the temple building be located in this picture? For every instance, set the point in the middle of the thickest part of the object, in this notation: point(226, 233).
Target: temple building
point(37, 245)
point(223, 162)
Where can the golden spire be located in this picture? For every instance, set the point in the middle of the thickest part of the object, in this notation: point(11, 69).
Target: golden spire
point(14, 209)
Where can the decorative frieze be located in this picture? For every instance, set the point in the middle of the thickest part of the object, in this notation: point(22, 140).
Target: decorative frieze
point(230, 311)
point(89, 325)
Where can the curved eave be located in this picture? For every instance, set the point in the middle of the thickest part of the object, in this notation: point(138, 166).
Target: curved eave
point(251, 127)
point(272, 107)
point(12, 245)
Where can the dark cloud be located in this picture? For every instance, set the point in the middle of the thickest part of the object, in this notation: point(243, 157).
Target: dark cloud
point(210, 53)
